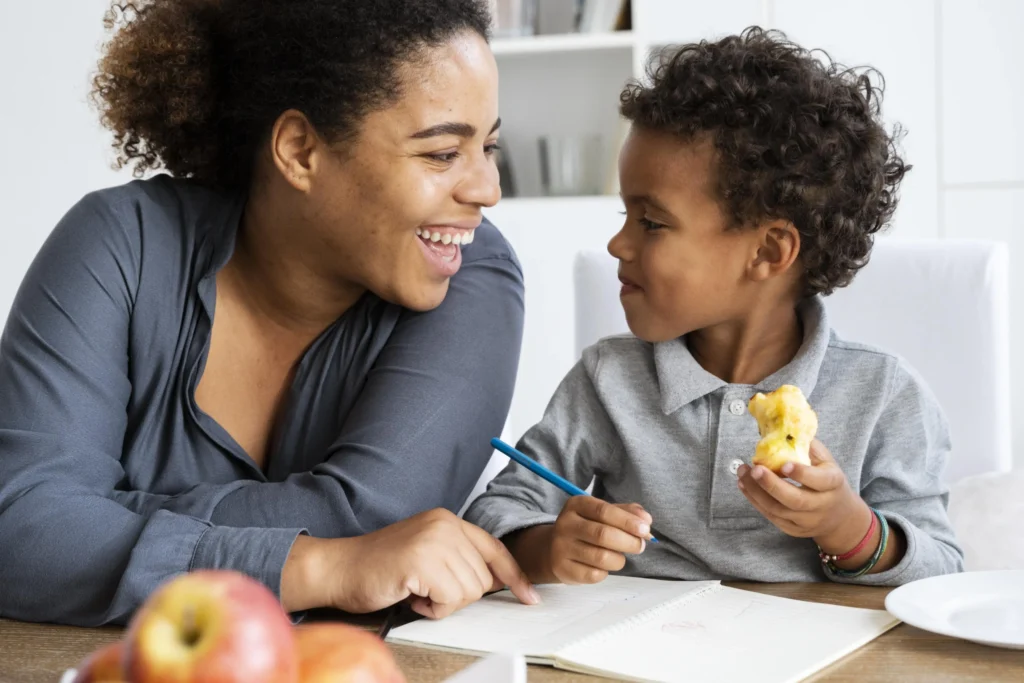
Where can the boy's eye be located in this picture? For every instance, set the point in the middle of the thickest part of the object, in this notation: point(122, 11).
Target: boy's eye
point(645, 222)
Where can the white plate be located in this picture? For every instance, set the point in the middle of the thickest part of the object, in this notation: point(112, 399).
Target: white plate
point(983, 607)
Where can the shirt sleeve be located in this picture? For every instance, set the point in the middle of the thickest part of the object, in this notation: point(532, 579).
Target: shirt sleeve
point(570, 440)
point(902, 479)
point(69, 552)
point(419, 436)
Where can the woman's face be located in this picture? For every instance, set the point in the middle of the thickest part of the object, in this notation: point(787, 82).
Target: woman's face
point(392, 211)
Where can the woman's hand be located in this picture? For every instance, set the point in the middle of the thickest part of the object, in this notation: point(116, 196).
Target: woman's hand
point(438, 561)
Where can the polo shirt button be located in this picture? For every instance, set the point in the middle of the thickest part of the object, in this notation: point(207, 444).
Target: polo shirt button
point(734, 466)
point(737, 407)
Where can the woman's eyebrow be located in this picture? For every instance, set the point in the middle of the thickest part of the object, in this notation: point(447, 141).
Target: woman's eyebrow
point(462, 130)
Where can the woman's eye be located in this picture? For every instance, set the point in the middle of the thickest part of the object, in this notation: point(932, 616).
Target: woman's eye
point(444, 157)
point(650, 225)
point(491, 148)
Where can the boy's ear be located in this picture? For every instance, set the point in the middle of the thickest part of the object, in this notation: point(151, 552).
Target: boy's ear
point(777, 250)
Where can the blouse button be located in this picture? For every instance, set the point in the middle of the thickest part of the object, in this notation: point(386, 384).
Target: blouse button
point(737, 407)
point(734, 466)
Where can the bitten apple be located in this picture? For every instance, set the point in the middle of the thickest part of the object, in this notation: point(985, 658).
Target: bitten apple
point(105, 665)
point(211, 627)
point(339, 653)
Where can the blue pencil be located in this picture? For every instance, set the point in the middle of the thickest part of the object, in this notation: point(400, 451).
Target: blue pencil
point(541, 471)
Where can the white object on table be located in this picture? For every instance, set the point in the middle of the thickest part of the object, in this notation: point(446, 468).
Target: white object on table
point(498, 668)
point(982, 607)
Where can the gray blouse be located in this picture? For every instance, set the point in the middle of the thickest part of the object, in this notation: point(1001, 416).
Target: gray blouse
point(112, 480)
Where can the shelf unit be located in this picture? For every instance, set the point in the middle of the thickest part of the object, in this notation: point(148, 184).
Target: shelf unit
point(569, 84)
point(570, 42)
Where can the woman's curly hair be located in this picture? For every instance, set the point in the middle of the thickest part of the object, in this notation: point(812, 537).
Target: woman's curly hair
point(796, 139)
point(194, 86)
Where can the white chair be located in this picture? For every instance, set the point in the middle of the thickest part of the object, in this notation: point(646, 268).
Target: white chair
point(943, 305)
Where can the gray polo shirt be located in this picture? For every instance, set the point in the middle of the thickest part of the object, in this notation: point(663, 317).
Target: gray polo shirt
point(112, 480)
point(646, 423)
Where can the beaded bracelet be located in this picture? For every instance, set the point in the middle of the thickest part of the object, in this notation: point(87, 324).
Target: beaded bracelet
point(883, 543)
point(825, 557)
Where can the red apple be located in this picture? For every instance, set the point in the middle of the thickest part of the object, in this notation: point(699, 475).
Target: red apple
point(211, 627)
point(338, 653)
point(105, 665)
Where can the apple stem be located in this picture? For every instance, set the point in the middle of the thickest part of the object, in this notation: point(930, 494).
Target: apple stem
point(190, 626)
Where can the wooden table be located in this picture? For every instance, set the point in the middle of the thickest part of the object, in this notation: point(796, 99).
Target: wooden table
point(39, 653)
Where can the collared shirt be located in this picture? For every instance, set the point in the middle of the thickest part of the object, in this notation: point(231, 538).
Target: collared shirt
point(645, 423)
point(113, 480)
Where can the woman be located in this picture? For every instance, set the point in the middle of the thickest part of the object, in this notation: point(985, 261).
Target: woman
point(303, 336)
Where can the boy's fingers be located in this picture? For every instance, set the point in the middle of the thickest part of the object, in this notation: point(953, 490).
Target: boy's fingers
point(756, 503)
point(766, 504)
point(820, 454)
point(597, 510)
point(595, 556)
point(785, 493)
point(824, 477)
point(636, 509)
point(575, 572)
point(606, 536)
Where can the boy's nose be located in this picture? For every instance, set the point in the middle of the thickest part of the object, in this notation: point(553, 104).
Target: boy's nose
point(619, 246)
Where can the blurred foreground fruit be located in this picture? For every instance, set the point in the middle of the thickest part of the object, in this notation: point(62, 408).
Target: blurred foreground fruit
point(211, 627)
point(338, 653)
point(105, 665)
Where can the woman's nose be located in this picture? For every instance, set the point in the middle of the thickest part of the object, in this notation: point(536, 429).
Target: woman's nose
point(481, 185)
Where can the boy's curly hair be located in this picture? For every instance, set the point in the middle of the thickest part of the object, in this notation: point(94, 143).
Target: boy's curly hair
point(194, 86)
point(796, 139)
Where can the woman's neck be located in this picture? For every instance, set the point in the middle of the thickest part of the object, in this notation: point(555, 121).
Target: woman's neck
point(747, 350)
point(278, 282)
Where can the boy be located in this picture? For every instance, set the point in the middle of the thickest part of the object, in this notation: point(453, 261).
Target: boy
point(754, 179)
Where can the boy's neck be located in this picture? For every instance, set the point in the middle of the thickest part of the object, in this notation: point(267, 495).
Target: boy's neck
point(747, 350)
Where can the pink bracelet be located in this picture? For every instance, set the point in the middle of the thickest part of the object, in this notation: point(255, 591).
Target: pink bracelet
point(826, 558)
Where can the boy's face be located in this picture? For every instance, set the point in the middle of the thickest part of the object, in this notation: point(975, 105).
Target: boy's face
point(682, 268)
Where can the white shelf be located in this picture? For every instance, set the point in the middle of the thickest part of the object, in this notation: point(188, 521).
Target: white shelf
point(540, 201)
point(568, 42)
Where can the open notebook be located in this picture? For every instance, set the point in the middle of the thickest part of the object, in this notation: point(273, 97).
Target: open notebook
point(648, 630)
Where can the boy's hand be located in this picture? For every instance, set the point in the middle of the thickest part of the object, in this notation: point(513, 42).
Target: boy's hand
point(591, 538)
point(824, 507)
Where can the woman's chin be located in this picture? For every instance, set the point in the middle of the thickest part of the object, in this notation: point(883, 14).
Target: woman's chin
point(423, 296)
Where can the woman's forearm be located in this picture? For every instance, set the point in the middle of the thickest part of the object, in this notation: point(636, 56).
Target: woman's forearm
point(302, 579)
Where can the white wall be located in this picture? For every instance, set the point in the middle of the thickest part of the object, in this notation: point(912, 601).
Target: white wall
point(953, 71)
point(54, 149)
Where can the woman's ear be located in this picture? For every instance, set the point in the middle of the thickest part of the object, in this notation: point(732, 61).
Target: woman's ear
point(777, 250)
point(294, 146)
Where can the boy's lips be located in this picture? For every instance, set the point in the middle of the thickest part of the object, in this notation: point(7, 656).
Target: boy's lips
point(628, 286)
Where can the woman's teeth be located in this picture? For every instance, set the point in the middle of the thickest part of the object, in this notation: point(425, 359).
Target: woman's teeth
point(446, 238)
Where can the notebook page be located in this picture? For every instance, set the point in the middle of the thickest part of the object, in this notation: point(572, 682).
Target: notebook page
point(500, 623)
point(728, 635)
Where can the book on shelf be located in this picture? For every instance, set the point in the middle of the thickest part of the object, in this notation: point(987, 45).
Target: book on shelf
point(602, 16)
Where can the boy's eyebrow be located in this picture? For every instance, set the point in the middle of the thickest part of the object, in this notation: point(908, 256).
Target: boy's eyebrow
point(462, 130)
point(646, 199)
